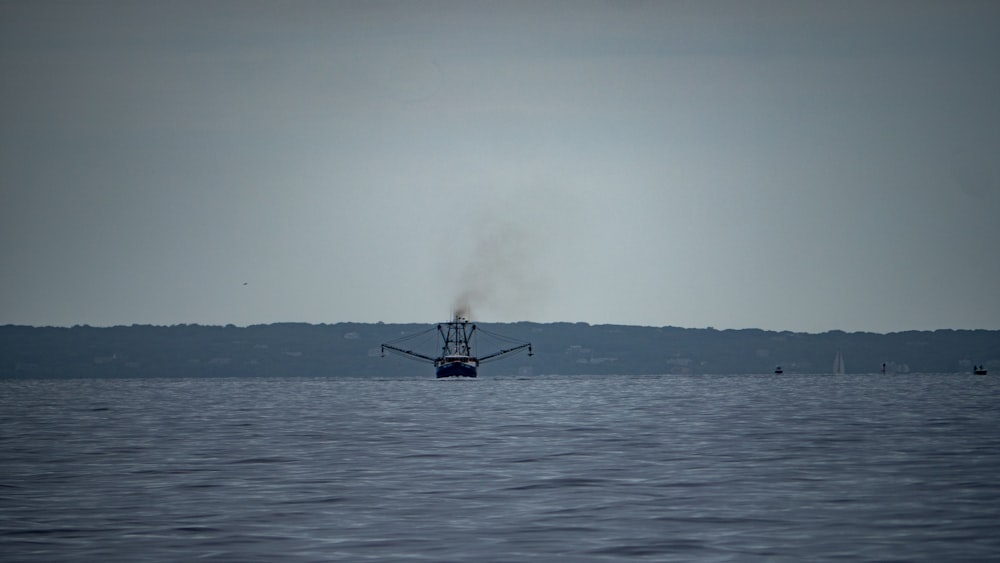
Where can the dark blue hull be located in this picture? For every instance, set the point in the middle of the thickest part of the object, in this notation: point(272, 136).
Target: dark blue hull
point(456, 369)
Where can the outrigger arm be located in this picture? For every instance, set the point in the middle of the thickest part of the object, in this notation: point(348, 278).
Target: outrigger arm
point(410, 353)
point(499, 353)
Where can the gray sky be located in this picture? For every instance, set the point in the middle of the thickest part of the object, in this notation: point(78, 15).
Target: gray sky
point(775, 164)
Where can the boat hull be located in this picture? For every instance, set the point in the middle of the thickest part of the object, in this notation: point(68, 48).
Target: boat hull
point(456, 369)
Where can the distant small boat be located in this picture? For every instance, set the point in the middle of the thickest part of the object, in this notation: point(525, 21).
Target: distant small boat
point(778, 370)
point(838, 364)
point(979, 370)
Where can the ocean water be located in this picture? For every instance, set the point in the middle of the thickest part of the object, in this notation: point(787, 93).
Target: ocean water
point(663, 468)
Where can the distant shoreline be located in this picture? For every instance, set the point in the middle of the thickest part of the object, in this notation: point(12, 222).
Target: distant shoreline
point(353, 349)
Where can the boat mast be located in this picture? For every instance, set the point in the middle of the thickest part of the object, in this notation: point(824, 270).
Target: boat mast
point(456, 338)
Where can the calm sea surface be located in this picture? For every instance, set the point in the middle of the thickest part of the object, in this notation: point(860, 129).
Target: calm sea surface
point(667, 468)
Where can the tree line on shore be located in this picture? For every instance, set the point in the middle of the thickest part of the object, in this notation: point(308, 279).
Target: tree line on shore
point(354, 349)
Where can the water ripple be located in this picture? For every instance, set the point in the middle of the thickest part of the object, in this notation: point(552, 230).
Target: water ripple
point(671, 468)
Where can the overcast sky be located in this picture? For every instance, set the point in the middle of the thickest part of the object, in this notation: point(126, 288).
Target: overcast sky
point(786, 165)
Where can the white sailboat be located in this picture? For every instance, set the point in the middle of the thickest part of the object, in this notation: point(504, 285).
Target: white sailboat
point(838, 364)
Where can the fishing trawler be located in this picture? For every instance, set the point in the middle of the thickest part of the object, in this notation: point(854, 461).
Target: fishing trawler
point(457, 358)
